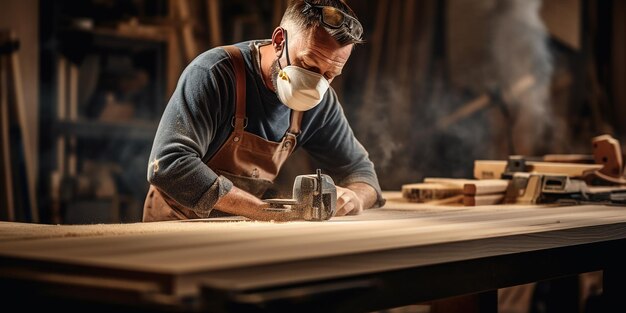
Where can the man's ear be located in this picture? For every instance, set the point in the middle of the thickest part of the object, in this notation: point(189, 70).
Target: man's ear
point(278, 41)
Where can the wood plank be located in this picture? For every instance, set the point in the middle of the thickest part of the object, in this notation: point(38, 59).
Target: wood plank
point(472, 186)
point(379, 262)
point(374, 262)
point(493, 169)
point(424, 192)
point(247, 253)
point(272, 275)
point(194, 251)
point(223, 241)
point(488, 199)
point(485, 186)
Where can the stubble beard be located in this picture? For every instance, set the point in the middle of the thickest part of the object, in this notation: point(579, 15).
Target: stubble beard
point(274, 69)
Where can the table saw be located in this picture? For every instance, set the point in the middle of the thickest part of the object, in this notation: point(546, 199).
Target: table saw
point(403, 253)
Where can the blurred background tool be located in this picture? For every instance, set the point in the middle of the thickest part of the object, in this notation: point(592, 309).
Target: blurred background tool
point(18, 201)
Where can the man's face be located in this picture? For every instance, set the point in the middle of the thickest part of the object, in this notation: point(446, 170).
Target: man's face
point(315, 51)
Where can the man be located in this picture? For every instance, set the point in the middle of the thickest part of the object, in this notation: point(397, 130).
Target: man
point(239, 111)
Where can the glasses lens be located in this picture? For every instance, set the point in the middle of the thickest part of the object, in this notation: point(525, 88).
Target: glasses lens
point(332, 17)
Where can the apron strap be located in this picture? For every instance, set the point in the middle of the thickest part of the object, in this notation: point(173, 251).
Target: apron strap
point(240, 120)
point(296, 120)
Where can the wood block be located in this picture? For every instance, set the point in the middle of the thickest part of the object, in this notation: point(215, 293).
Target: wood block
point(485, 186)
point(488, 169)
point(425, 192)
point(608, 152)
point(472, 186)
point(488, 199)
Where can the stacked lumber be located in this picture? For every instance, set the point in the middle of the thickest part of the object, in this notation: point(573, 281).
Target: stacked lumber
point(484, 192)
point(432, 192)
point(520, 179)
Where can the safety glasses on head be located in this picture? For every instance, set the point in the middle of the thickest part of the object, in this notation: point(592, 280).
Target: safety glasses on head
point(334, 18)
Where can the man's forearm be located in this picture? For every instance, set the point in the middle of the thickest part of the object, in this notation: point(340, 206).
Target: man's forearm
point(240, 202)
point(365, 192)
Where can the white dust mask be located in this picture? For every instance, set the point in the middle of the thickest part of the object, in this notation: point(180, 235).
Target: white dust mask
point(298, 88)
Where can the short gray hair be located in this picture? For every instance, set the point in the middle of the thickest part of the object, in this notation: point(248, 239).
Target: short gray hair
point(312, 19)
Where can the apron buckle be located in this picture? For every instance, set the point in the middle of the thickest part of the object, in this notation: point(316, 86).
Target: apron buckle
point(245, 122)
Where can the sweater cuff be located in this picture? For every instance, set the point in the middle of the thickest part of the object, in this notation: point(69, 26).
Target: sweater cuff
point(220, 188)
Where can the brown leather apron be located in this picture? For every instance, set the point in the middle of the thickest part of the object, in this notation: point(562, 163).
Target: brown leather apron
point(249, 161)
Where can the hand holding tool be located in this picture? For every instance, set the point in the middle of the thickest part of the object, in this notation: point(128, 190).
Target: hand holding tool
point(314, 198)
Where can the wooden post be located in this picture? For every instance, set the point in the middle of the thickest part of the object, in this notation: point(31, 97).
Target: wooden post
point(393, 36)
point(72, 159)
point(377, 46)
point(185, 20)
point(214, 22)
point(405, 55)
point(13, 106)
point(20, 105)
point(61, 169)
point(6, 193)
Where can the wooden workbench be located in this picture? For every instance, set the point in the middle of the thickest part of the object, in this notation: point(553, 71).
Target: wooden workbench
point(401, 254)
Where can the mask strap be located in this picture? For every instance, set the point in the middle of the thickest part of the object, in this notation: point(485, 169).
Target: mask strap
point(286, 50)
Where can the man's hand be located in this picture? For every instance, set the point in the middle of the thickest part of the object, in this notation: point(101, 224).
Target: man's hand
point(354, 198)
point(348, 202)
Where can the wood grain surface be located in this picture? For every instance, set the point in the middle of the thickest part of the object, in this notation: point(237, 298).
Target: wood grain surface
point(182, 256)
